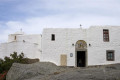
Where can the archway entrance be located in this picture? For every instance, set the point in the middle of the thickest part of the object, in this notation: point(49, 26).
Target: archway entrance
point(81, 53)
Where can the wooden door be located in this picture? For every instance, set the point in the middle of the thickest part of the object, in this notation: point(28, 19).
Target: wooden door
point(63, 60)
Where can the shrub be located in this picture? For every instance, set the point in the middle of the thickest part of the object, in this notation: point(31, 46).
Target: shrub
point(8, 61)
point(14, 58)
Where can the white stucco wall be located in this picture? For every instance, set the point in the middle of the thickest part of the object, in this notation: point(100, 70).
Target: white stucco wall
point(97, 51)
point(64, 38)
point(41, 46)
point(30, 45)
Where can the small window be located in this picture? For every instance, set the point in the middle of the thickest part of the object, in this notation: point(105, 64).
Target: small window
point(15, 38)
point(105, 35)
point(110, 55)
point(53, 37)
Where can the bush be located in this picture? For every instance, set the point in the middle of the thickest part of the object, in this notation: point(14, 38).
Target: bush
point(8, 61)
point(14, 58)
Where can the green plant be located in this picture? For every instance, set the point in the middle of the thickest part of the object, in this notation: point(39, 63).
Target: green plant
point(8, 61)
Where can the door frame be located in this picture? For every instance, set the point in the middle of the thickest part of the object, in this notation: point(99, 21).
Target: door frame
point(86, 57)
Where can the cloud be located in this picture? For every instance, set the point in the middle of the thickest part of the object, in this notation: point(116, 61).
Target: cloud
point(36, 25)
point(34, 6)
point(35, 15)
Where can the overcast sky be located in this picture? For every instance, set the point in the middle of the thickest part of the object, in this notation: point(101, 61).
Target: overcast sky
point(34, 15)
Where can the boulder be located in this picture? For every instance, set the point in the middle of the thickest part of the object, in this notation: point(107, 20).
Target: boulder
point(26, 71)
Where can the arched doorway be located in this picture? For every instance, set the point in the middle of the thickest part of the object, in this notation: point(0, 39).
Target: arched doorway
point(81, 53)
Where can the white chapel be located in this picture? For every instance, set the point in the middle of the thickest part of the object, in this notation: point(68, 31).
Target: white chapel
point(97, 45)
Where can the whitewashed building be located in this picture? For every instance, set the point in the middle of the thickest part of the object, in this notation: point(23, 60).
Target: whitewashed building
point(97, 45)
point(19, 42)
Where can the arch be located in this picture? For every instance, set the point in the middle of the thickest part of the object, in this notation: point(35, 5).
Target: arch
point(81, 45)
point(81, 53)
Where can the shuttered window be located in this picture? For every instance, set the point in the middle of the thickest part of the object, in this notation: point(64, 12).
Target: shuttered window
point(110, 55)
point(105, 35)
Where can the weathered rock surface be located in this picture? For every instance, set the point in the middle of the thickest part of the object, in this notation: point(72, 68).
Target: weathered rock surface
point(49, 71)
point(26, 71)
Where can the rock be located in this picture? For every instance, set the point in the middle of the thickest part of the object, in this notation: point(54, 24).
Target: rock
point(25, 71)
point(49, 71)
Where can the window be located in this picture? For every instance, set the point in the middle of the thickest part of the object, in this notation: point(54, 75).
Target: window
point(106, 35)
point(110, 55)
point(15, 38)
point(53, 37)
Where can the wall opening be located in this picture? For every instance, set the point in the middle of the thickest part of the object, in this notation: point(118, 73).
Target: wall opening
point(15, 38)
point(81, 53)
point(105, 35)
point(53, 37)
point(81, 59)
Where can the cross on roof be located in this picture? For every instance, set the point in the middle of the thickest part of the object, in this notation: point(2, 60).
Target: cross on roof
point(80, 26)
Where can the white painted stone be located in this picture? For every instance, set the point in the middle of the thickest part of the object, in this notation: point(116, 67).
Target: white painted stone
point(64, 38)
point(41, 46)
point(30, 45)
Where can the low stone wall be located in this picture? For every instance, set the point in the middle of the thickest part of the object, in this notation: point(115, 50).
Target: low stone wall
point(30, 61)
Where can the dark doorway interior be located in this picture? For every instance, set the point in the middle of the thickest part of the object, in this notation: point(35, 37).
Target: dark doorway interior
point(81, 59)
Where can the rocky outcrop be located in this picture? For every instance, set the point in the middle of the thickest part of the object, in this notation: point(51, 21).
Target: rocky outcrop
point(27, 71)
point(49, 71)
